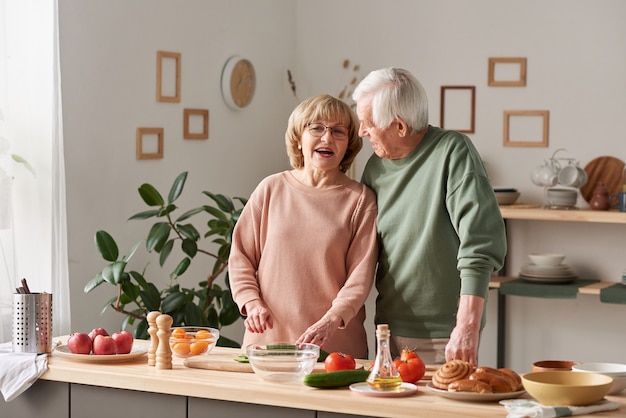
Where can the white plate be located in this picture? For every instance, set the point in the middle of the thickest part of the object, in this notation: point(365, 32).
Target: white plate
point(568, 274)
point(136, 352)
point(474, 397)
point(533, 268)
point(363, 388)
point(553, 280)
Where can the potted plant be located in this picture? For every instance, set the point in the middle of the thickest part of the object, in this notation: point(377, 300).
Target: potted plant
point(207, 305)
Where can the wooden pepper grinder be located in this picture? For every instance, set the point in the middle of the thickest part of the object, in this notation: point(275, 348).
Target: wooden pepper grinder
point(164, 352)
point(600, 198)
point(154, 340)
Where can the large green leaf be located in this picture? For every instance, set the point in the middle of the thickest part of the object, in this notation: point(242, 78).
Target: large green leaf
point(150, 195)
point(177, 187)
point(216, 212)
point(230, 312)
point(173, 302)
point(222, 201)
point(93, 283)
point(189, 214)
point(189, 231)
point(190, 247)
point(151, 297)
point(165, 252)
point(157, 236)
point(181, 267)
point(146, 214)
point(106, 246)
point(131, 252)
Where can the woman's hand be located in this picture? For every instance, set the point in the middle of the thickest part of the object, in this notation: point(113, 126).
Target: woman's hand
point(321, 331)
point(258, 317)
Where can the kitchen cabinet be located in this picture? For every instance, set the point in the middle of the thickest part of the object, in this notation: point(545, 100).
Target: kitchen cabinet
point(43, 399)
point(512, 213)
point(101, 402)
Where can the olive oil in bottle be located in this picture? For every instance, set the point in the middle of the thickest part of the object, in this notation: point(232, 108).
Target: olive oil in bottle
point(384, 375)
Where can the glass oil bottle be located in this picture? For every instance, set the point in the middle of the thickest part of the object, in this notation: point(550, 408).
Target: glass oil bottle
point(384, 375)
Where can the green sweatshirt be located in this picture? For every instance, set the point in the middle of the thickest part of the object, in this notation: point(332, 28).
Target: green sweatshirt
point(440, 230)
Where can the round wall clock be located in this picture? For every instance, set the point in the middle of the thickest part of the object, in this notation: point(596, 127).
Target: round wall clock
point(238, 82)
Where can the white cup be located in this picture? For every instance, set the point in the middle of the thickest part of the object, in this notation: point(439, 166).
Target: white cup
point(570, 175)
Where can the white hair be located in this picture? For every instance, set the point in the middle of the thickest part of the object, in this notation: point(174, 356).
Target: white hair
point(396, 93)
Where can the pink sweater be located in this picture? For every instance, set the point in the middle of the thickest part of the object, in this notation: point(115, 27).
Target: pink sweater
point(305, 251)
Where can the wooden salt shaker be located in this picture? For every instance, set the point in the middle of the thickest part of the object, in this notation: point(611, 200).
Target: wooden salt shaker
point(164, 352)
point(154, 340)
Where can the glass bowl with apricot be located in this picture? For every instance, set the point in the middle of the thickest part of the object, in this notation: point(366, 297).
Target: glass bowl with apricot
point(193, 341)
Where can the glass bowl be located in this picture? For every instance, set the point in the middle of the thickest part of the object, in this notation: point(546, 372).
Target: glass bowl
point(283, 362)
point(193, 341)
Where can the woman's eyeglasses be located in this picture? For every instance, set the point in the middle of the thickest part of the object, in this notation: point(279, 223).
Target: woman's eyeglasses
point(318, 130)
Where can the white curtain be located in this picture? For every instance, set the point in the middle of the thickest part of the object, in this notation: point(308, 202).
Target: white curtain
point(33, 242)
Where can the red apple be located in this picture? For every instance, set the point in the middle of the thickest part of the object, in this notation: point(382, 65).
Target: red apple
point(104, 345)
point(97, 331)
point(123, 341)
point(79, 343)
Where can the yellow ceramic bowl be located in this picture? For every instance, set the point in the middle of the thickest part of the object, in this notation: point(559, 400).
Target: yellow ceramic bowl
point(566, 388)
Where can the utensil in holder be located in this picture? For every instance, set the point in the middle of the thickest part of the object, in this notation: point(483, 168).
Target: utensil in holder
point(32, 323)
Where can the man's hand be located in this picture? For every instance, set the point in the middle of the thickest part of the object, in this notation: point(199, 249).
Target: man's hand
point(464, 339)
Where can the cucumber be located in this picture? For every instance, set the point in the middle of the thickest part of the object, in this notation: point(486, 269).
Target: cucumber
point(339, 379)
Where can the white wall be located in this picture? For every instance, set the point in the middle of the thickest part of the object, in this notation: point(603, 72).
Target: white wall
point(575, 59)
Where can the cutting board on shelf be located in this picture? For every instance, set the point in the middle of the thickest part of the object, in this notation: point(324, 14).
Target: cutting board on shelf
point(607, 170)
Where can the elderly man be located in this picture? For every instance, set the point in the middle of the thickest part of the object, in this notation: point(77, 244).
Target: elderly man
point(439, 225)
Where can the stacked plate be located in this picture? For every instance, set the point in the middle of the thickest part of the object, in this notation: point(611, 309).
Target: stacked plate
point(548, 274)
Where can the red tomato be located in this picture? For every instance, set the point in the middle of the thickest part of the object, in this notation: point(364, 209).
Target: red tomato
point(410, 366)
point(339, 361)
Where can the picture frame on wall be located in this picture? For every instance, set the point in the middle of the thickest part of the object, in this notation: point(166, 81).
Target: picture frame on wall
point(458, 108)
point(526, 128)
point(149, 143)
point(196, 124)
point(168, 76)
point(507, 72)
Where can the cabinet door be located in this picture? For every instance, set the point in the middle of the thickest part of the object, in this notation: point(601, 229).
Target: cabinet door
point(44, 398)
point(100, 402)
point(211, 408)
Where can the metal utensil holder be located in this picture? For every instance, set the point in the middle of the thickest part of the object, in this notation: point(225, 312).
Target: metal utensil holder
point(32, 323)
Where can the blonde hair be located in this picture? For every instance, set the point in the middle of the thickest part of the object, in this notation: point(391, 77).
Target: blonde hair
point(317, 108)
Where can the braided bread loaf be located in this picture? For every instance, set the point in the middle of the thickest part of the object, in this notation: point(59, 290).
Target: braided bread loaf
point(450, 372)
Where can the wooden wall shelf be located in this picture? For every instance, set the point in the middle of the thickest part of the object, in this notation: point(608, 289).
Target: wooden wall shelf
point(574, 215)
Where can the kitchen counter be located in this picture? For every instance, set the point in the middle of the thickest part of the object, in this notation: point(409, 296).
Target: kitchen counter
point(247, 388)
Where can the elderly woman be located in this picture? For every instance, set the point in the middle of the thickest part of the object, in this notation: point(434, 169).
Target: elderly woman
point(304, 250)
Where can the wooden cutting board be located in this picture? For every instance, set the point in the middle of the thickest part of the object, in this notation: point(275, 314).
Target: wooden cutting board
point(226, 362)
point(607, 170)
point(218, 361)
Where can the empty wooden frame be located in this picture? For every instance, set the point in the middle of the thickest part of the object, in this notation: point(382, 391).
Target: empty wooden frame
point(458, 104)
point(149, 143)
point(168, 76)
point(193, 129)
point(531, 125)
point(509, 72)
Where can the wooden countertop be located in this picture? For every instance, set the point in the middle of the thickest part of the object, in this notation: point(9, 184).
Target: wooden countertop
point(249, 388)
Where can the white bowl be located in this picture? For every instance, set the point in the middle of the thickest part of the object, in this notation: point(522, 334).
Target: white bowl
point(506, 198)
point(565, 198)
point(283, 362)
point(547, 259)
point(615, 370)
